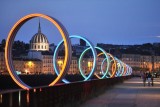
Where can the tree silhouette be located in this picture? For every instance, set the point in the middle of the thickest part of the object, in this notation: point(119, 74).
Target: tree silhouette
point(3, 42)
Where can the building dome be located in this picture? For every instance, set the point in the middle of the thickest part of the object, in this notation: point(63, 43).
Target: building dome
point(39, 41)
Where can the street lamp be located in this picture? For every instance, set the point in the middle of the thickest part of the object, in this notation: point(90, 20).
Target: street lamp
point(60, 63)
point(31, 66)
point(26, 71)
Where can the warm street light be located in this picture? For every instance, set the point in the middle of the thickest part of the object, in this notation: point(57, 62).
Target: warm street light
point(60, 62)
point(30, 64)
point(26, 71)
point(89, 64)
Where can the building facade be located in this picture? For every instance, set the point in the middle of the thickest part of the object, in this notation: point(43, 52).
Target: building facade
point(3, 68)
point(73, 66)
point(142, 62)
point(157, 63)
point(39, 49)
point(28, 66)
point(24, 66)
point(47, 66)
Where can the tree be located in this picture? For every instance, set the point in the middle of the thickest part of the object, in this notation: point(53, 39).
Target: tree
point(3, 42)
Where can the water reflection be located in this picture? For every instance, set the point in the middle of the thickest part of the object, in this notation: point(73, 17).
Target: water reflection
point(1, 98)
point(40, 89)
point(27, 95)
point(34, 90)
point(19, 98)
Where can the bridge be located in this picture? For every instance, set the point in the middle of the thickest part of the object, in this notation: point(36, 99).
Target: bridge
point(114, 67)
point(131, 93)
point(67, 93)
point(95, 93)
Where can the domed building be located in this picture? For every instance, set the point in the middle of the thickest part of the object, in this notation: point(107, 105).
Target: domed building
point(39, 41)
point(39, 49)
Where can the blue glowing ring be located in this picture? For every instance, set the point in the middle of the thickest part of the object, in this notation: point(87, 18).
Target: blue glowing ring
point(128, 70)
point(111, 68)
point(114, 64)
point(119, 67)
point(94, 63)
point(102, 65)
point(108, 69)
point(55, 59)
point(123, 68)
point(122, 71)
point(90, 46)
point(131, 71)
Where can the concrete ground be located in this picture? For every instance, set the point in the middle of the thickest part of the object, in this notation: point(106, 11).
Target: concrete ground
point(131, 93)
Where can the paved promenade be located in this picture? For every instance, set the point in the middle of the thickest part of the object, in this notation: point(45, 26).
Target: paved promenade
point(131, 93)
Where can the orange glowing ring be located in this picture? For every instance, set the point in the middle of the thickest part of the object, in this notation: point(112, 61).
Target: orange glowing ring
point(10, 40)
point(108, 64)
point(125, 69)
point(114, 66)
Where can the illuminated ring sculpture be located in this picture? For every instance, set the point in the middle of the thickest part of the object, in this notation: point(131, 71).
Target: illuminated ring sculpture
point(119, 67)
point(125, 69)
point(10, 40)
point(108, 63)
point(130, 73)
point(128, 70)
point(102, 67)
point(94, 63)
point(113, 66)
point(56, 54)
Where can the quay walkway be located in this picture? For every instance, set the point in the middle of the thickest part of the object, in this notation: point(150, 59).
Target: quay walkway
point(130, 93)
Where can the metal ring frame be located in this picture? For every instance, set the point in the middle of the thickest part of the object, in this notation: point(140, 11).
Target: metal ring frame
point(107, 58)
point(90, 46)
point(10, 40)
point(118, 68)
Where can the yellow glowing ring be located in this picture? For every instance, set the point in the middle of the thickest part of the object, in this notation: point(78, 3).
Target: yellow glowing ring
point(10, 40)
point(114, 66)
